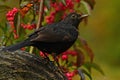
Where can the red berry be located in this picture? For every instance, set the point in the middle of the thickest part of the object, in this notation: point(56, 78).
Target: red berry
point(50, 19)
point(16, 36)
point(70, 74)
point(14, 31)
point(33, 25)
point(64, 57)
point(55, 4)
point(53, 13)
point(77, 0)
point(15, 10)
point(69, 4)
point(75, 71)
point(71, 10)
point(41, 54)
point(57, 8)
point(29, 27)
point(23, 49)
point(69, 78)
point(73, 53)
point(62, 6)
point(10, 18)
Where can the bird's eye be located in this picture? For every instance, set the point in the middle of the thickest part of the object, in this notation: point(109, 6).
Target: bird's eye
point(73, 16)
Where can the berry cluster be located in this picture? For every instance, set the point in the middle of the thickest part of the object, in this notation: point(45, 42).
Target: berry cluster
point(11, 14)
point(69, 52)
point(59, 7)
point(65, 57)
point(42, 54)
point(10, 17)
point(28, 26)
point(70, 75)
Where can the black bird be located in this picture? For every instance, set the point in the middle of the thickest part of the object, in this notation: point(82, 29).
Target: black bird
point(53, 38)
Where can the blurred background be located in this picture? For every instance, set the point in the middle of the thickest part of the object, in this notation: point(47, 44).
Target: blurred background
point(103, 35)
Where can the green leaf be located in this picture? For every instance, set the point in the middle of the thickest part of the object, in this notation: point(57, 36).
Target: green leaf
point(52, 1)
point(86, 7)
point(47, 3)
point(63, 1)
point(5, 27)
point(87, 73)
point(87, 48)
point(95, 66)
point(80, 56)
point(91, 3)
point(80, 72)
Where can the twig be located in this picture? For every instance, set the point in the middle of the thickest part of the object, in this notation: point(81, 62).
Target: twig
point(41, 11)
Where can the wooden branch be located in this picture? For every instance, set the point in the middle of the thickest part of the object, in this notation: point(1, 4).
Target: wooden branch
point(41, 11)
point(21, 65)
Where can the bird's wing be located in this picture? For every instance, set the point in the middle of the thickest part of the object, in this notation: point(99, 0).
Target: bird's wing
point(46, 34)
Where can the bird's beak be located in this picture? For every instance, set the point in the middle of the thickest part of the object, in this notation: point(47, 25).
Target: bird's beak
point(84, 16)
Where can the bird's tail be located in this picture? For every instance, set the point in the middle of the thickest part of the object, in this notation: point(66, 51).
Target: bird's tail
point(17, 46)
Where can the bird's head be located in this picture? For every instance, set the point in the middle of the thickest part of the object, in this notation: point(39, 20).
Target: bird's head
point(75, 18)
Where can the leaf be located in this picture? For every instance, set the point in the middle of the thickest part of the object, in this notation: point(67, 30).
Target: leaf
point(53, 1)
point(80, 72)
point(80, 56)
point(25, 9)
point(95, 66)
point(87, 73)
point(87, 48)
point(91, 3)
point(47, 3)
point(4, 29)
point(85, 7)
point(63, 1)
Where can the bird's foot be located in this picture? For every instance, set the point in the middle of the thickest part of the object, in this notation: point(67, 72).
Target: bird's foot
point(51, 64)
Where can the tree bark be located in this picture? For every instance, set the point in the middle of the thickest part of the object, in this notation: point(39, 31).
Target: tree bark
point(21, 65)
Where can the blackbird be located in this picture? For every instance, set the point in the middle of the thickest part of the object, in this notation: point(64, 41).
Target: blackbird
point(53, 38)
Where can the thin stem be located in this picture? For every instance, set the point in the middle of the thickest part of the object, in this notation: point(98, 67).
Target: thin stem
point(18, 25)
point(41, 11)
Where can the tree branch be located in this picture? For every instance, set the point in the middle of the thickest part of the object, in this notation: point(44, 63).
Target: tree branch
point(21, 65)
point(41, 11)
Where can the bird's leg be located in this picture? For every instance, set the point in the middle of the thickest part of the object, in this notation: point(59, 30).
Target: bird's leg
point(56, 61)
point(46, 57)
point(51, 63)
